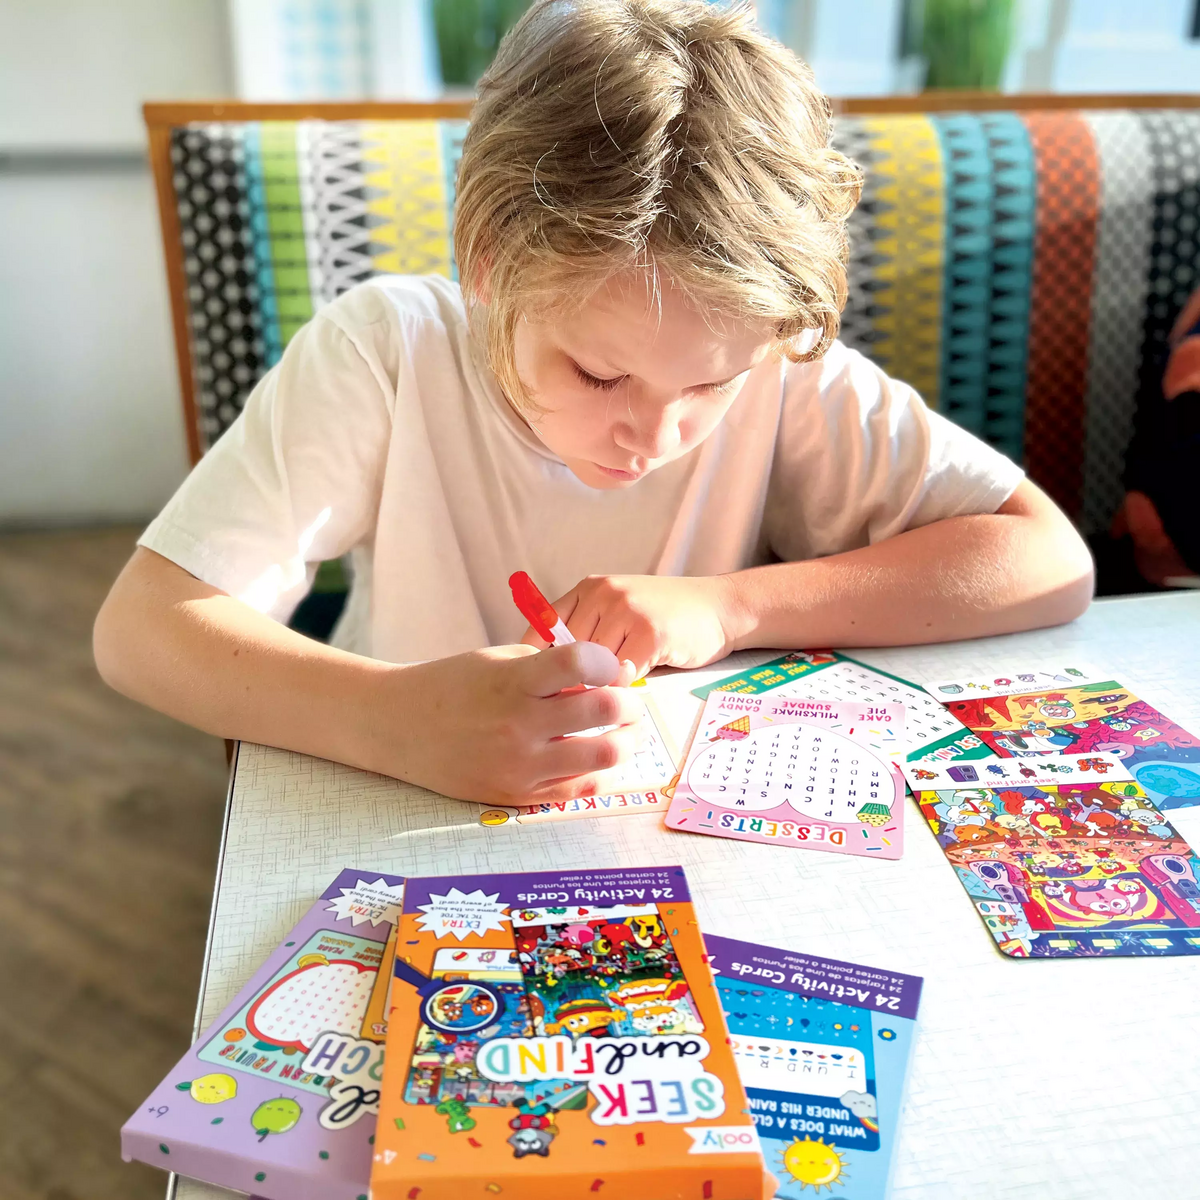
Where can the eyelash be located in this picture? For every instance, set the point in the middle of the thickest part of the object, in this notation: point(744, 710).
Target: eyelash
point(602, 385)
point(607, 385)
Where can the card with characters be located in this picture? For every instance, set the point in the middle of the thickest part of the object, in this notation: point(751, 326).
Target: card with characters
point(1064, 855)
point(795, 772)
point(930, 732)
point(559, 1033)
point(822, 1047)
point(479, 995)
point(1077, 710)
point(602, 972)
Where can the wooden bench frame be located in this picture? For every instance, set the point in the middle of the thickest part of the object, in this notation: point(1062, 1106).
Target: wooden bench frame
point(161, 118)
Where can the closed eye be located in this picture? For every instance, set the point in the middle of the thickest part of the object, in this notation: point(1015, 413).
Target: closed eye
point(718, 389)
point(602, 385)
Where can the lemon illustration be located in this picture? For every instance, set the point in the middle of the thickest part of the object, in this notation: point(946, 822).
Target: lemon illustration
point(210, 1089)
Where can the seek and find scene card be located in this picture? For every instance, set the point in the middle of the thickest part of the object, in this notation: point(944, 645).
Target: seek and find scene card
point(1077, 710)
point(931, 733)
point(279, 1095)
point(1064, 855)
point(795, 772)
point(822, 1047)
point(554, 1035)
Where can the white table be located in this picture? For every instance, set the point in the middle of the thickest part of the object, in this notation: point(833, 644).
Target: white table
point(1061, 1078)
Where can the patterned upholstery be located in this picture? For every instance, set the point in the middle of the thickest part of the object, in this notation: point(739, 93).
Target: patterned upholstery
point(1021, 270)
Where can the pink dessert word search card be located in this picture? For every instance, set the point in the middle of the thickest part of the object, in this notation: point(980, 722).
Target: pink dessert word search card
point(793, 772)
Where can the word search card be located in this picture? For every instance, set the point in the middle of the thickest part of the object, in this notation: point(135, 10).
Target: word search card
point(795, 772)
point(932, 734)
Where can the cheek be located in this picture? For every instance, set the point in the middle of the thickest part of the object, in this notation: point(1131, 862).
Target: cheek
point(701, 419)
point(573, 420)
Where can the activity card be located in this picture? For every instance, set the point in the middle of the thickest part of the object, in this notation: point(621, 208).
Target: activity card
point(822, 1048)
point(1077, 710)
point(795, 772)
point(930, 731)
point(637, 786)
point(1064, 856)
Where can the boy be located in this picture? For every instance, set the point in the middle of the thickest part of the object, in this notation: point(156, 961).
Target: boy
point(636, 396)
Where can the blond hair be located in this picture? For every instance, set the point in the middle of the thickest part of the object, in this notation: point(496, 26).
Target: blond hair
point(669, 136)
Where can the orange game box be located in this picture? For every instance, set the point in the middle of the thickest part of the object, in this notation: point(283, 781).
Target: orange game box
point(557, 1035)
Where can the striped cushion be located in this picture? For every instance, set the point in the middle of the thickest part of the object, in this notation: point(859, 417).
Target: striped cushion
point(1022, 271)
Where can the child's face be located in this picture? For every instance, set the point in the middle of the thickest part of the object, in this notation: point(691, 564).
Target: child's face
point(627, 385)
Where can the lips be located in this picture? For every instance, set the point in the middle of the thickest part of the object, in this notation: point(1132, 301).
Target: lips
point(617, 473)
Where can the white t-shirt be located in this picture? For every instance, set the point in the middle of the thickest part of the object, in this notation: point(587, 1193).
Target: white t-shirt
point(383, 433)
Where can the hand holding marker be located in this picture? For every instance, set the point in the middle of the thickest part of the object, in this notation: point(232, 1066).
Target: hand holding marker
point(545, 622)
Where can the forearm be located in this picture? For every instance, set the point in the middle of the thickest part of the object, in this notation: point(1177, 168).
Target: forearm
point(488, 725)
point(975, 576)
point(171, 642)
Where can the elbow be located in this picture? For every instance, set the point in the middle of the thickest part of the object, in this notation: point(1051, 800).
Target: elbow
point(1076, 595)
point(115, 641)
point(106, 643)
point(1075, 585)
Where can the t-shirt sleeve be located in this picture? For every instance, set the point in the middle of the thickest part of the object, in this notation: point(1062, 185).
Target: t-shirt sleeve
point(860, 458)
point(296, 479)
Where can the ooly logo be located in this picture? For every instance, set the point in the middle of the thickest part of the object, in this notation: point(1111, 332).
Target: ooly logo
point(723, 1139)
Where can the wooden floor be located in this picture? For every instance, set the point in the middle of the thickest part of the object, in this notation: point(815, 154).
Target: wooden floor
point(109, 822)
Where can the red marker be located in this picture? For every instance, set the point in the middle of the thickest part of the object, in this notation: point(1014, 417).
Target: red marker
point(538, 611)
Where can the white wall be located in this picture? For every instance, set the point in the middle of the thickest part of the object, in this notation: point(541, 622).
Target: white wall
point(90, 419)
point(75, 72)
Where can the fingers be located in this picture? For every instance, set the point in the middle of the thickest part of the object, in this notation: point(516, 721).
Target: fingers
point(581, 614)
point(571, 713)
point(640, 648)
point(554, 791)
point(577, 756)
point(561, 667)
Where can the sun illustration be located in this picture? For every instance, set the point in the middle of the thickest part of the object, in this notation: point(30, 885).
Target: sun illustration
point(812, 1163)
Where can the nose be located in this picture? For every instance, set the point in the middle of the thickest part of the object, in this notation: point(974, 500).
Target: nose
point(650, 431)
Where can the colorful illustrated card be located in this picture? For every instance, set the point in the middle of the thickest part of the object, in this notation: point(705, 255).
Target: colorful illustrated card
point(1064, 856)
point(822, 1047)
point(930, 732)
point(560, 1036)
point(279, 1095)
point(606, 972)
point(1075, 710)
point(793, 772)
point(484, 998)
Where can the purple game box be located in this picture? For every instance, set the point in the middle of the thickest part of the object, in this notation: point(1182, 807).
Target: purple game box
point(279, 1095)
